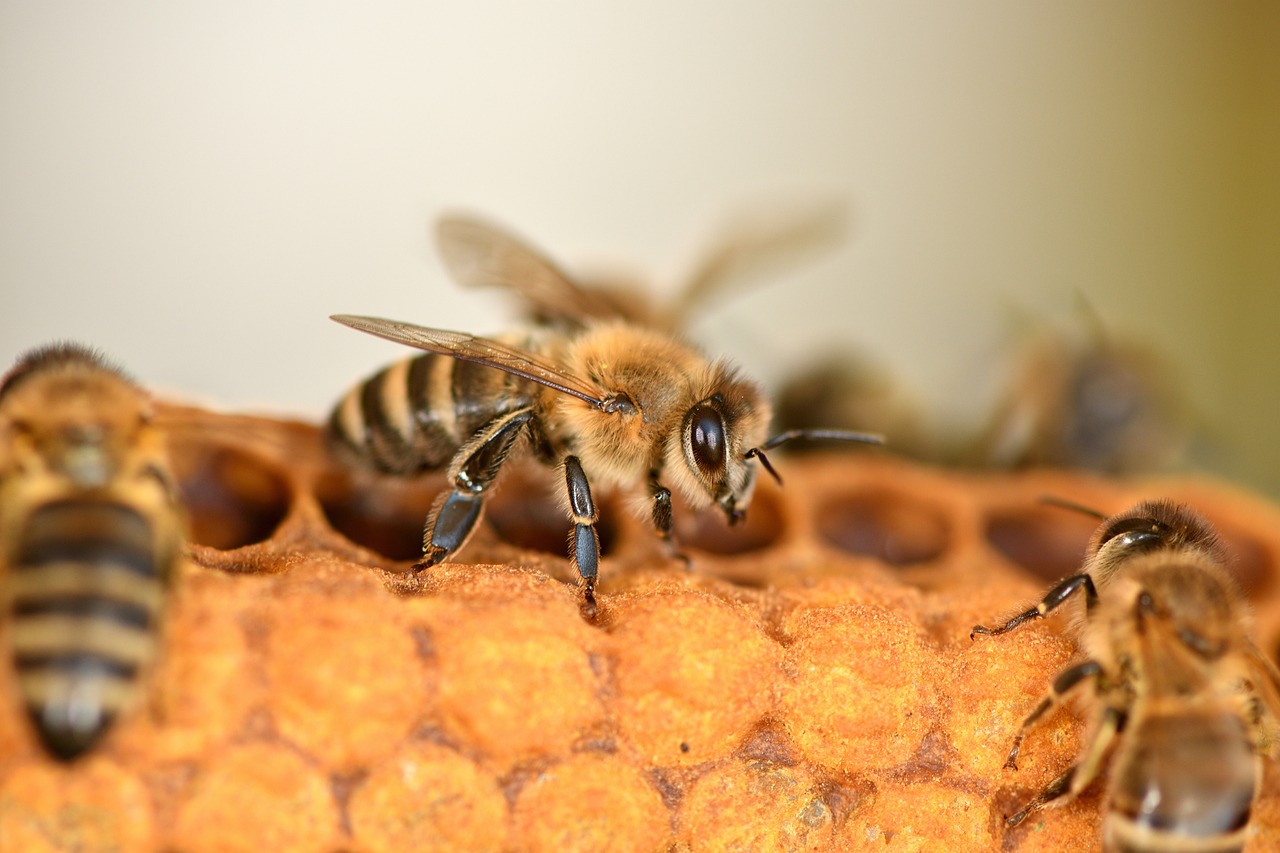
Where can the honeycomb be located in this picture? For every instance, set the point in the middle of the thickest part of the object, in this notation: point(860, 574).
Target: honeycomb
point(807, 683)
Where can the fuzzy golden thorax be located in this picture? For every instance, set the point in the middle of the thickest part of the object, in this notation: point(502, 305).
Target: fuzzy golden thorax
point(76, 421)
point(680, 402)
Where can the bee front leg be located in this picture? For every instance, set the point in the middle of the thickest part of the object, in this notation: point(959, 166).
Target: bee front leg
point(584, 544)
point(473, 471)
point(662, 520)
point(1050, 602)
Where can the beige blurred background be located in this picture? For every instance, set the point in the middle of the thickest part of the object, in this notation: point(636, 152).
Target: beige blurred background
point(194, 187)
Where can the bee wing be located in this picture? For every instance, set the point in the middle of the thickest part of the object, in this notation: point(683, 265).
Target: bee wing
point(480, 254)
point(759, 244)
point(484, 351)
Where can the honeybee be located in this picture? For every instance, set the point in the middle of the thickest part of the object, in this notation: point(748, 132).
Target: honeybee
point(1087, 402)
point(90, 533)
point(1187, 703)
point(592, 388)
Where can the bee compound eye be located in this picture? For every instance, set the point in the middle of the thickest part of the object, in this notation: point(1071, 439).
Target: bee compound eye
point(706, 437)
point(1135, 534)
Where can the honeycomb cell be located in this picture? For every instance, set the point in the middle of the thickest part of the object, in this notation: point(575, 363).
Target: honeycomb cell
point(756, 805)
point(234, 497)
point(203, 686)
point(94, 806)
point(1048, 542)
point(895, 528)
point(428, 798)
point(845, 702)
point(345, 684)
point(691, 675)
point(515, 678)
point(590, 802)
point(999, 681)
point(925, 816)
point(258, 796)
point(386, 515)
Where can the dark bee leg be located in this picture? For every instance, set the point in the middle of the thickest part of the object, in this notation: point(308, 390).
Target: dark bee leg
point(662, 521)
point(1064, 683)
point(1055, 597)
point(584, 545)
point(474, 469)
point(1078, 776)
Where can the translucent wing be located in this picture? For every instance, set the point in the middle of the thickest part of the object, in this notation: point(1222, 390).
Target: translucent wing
point(480, 254)
point(756, 246)
point(484, 351)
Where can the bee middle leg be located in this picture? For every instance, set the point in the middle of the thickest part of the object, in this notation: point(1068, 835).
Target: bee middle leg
point(473, 471)
point(1077, 777)
point(1063, 683)
point(584, 544)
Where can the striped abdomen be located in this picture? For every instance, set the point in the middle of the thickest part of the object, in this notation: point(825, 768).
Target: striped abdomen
point(85, 591)
point(413, 416)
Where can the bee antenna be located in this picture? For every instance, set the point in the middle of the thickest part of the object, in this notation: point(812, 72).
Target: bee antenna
point(758, 453)
point(1063, 503)
point(809, 435)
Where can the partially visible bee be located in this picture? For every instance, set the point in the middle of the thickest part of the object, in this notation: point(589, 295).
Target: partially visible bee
point(836, 390)
point(1186, 701)
point(598, 387)
point(90, 534)
point(1095, 404)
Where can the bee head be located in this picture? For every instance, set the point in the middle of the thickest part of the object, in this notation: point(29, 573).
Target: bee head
point(72, 412)
point(711, 463)
point(1147, 527)
point(723, 433)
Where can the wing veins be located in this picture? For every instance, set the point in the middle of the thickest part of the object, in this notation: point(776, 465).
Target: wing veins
point(478, 350)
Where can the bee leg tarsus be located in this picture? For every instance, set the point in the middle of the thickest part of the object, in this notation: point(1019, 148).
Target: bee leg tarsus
point(450, 525)
point(1011, 763)
point(1058, 791)
point(1017, 817)
point(589, 607)
point(1052, 600)
point(434, 556)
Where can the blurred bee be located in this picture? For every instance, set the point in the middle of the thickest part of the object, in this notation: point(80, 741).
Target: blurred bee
point(599, 387)
point(1186, 701)
point(1095, 404)
point(90, 535)
point(838, 389)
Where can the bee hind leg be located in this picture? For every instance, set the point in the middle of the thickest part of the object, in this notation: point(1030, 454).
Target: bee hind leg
point(473, 471)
